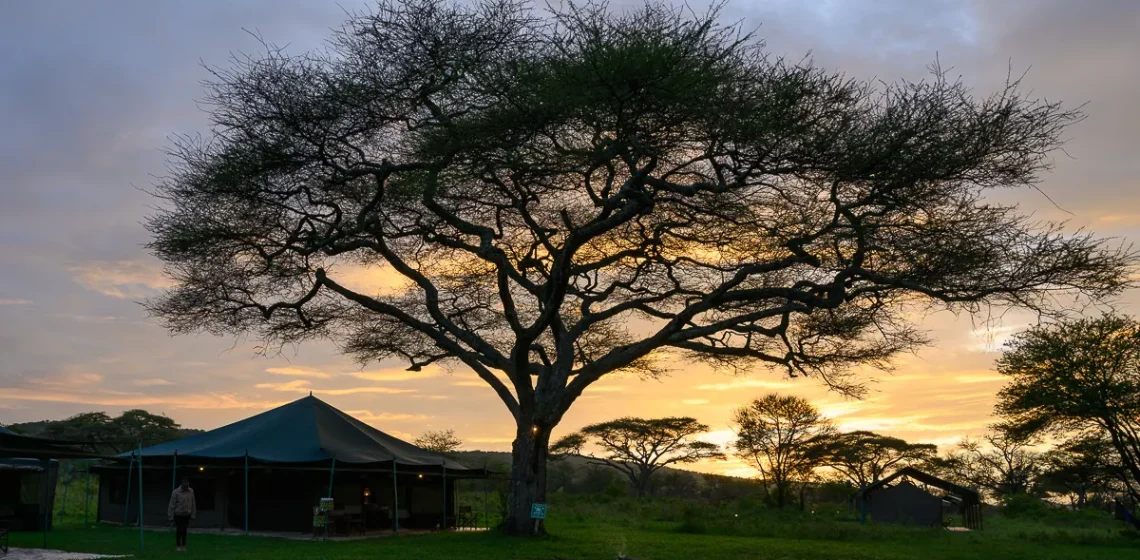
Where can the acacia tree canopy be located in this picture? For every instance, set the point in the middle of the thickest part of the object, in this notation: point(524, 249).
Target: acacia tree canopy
point(440, 441)
point(864, 457)
point(784, 437)
point(1073, 376)
point(564, 195)
point(640, 447)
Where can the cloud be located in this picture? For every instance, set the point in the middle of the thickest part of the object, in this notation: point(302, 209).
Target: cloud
point(745, 384)
point(204, 401)
point(11, 301)
point(298, 371)
point(303, 386)
point(71, 379)
point(695, 402)
point(396, 374)
point(370, 417)
point(125, 279)
point(153, 382)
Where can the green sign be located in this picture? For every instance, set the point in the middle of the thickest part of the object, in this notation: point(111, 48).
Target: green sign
point(538, 511)
point(319, 520)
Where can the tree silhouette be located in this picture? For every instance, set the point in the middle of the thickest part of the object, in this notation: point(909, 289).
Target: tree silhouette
point(567, 195)
point(864, 457)
point(1073, 376)
point(785, 437)
point(639, 447)
point(440, 441)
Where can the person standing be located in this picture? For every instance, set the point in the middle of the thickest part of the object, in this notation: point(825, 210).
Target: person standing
point(181, 510)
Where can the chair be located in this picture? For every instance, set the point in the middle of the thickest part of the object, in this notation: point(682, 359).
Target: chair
point(465, 517)
point(354, 515)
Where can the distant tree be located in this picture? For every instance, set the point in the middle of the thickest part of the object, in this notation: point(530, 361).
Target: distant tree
point(1079, 468)
point(865, 457)
point(999, 464)
point(150, 429)
point(640, 447)
point(1074, 376)
point(784, 437)
point(571, 195)
point(440, 441)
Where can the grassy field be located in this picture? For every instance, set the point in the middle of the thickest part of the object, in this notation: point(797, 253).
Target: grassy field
point(589, 529)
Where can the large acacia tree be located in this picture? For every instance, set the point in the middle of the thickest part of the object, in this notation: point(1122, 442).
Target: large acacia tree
point(570, 194)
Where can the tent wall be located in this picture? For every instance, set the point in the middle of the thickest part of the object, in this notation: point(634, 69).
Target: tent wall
point(280, 499)
point(905, 504)
point(21, 497)
point(113, 498)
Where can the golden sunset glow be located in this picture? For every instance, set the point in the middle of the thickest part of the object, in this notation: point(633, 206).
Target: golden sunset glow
point(74, 339)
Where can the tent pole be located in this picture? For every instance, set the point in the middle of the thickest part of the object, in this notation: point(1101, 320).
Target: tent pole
point(395, 500)
point(127, 500)
point(87, 494)
point(63, 502)
point(486, 511)
point(46, 464)
point(246, 488)
point(140, 496)
point(443, 522)
point(174, 473)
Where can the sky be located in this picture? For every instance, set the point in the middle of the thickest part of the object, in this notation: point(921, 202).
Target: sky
point(90, 92)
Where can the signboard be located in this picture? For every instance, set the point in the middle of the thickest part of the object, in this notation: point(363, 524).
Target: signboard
point(326, 504)
point(538, 511)
point(319, 520)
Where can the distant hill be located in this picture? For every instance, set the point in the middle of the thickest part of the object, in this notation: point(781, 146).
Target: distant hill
point(576, 475)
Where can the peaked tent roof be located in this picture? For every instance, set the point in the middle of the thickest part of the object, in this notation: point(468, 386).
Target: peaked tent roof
point(307, 430)
point(968, 495)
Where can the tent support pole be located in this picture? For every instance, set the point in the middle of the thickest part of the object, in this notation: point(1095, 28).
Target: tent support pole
point(174, 473)
point(46, 464)
point(127, 503)
point(486, 511)
point(395, 500)
point(246, 488)
point(332, 474)
point(87, 494)
point(443, 522)
point(63, 502)
point(140, 496)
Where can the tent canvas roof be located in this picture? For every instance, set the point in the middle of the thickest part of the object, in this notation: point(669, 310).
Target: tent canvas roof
point(968, 495)
point(307, 430)
point(16, 445)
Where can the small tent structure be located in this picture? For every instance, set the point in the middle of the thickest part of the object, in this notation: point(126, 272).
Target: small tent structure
point(896, 499)
point(28, 475)
point(269, 471)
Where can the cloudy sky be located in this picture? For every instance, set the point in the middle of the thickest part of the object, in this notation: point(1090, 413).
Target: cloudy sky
point(90, 91)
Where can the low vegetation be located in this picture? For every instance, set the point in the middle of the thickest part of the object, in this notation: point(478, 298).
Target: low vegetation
point(600, 527)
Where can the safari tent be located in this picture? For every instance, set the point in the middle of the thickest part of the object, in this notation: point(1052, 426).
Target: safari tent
point(268, 473)
point(897, 499)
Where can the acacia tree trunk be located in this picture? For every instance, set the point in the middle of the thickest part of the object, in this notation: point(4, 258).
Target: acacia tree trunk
point(528, 477)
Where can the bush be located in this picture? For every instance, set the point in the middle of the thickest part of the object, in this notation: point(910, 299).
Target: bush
point(1024, 506)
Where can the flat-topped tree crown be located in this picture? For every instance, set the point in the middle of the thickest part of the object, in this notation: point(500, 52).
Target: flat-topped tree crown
point(575, 193)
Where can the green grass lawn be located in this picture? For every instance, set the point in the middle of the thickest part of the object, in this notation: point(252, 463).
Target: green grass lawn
point(581, 541)
point(602, 528)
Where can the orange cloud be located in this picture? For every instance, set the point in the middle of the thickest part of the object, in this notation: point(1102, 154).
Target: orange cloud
point(129, 279)
point(370, 417)
point(208, 401)
point(298, 371)
point(303, 386)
